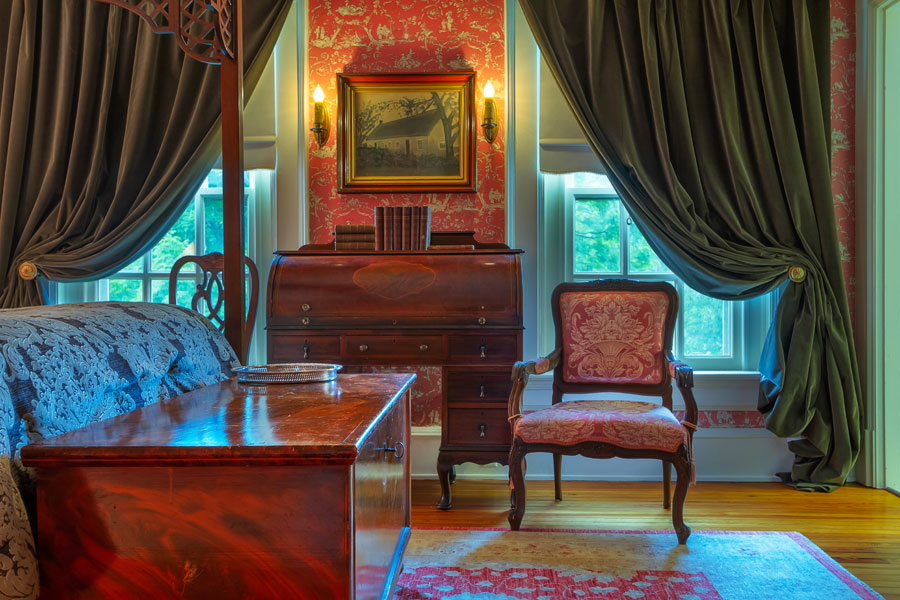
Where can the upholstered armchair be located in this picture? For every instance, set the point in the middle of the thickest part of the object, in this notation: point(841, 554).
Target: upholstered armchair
point(614, 336)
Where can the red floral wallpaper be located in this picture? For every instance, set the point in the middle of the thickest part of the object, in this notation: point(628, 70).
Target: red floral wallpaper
point(843, 139)
point(373, 36)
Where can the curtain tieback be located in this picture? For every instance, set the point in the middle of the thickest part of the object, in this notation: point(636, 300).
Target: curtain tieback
point(28, 270)
point(797, 274)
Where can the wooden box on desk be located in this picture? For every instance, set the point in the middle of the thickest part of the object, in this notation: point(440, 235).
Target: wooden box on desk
point(231, 492)
point(459, 309)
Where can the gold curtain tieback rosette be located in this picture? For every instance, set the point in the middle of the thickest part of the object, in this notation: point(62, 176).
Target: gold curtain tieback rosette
point(797, 274)
point(28, 270)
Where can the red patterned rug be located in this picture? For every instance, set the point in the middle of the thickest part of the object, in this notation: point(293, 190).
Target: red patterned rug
point(456, 564)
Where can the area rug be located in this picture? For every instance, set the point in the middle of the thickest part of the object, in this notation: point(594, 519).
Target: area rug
point(457, 564)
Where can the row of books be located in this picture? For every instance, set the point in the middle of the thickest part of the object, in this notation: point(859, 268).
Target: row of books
point(395, 228)
point(402, 227)
point(354, 237)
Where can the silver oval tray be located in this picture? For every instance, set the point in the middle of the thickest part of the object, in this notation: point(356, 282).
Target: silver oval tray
point(287, 373)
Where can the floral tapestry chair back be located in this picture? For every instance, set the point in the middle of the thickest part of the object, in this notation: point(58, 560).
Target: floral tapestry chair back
point(617, 335)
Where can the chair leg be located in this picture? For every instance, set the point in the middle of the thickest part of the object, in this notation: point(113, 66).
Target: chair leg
point(667, 484)
point(684, 470)
point(516, 474)
point(557, 482)
point(512, 491)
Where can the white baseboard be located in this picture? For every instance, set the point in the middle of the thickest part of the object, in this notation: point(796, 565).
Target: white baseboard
point(719, 455)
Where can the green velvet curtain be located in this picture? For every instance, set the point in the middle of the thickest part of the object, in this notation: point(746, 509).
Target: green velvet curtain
point(712, 120)
point(106, 132)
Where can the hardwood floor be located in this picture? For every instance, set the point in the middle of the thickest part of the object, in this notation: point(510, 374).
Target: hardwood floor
point(859, 527)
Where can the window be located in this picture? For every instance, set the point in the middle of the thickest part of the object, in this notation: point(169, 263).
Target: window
point(589, 235)
point(199, 230)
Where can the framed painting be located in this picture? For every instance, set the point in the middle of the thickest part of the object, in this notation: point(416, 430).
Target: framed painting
point(406, 132)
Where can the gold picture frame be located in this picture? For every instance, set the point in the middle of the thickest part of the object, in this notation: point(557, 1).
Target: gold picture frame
point(406, 132)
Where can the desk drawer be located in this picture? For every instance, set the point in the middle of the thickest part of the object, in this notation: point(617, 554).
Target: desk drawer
point(291, 347)
point(477, 427)
point(486, 349)
point(478, 386)
point(393, 348)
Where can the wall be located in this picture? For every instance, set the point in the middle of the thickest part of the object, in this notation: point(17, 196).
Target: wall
point(843, 139)
point(374, 36)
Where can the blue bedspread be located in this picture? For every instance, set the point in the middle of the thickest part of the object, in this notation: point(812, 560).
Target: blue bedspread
point(62, 367)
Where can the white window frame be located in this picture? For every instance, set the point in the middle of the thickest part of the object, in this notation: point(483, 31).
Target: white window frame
point(747, 321)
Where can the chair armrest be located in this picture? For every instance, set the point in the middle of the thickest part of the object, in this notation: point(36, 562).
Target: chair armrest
point(684, 381)
point(520, 373)
point(522, 369)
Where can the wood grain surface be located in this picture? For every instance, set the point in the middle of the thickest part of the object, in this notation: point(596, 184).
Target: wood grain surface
point(234, 423)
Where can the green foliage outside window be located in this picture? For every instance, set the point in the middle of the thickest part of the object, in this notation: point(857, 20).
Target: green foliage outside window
point(598, 250)
point(184, 238)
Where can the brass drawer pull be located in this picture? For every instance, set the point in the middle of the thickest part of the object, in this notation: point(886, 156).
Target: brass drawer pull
point(305, 320)
point(482, 320)
point(481, 391)
point(363, 347)
point(304, 307)
point(423, 348)
point(306, 348)
point(399, 449)
point(482, 427)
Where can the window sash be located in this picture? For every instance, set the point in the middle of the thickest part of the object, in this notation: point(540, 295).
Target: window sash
point(745, 323)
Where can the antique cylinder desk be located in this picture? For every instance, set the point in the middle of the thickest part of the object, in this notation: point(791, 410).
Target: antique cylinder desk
point(457, 308)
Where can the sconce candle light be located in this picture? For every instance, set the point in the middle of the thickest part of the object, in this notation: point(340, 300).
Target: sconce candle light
point(488, 125)
point(321, 119)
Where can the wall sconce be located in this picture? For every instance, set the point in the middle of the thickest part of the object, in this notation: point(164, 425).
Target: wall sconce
point(488, 125)
point(321, 118)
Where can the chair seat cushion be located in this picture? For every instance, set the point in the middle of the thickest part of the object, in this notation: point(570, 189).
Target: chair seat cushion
point(622, 423)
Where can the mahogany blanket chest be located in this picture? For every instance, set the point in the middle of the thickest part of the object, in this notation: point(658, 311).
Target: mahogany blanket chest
point(231, 491)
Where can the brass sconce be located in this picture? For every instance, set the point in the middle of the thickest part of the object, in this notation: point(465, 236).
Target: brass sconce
point(321, 118)
point(488, 125)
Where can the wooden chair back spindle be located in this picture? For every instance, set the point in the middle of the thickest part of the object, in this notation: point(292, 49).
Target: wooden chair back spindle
point(209, 296)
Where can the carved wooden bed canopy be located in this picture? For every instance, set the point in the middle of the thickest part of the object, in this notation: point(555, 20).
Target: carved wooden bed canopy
point(211, 32)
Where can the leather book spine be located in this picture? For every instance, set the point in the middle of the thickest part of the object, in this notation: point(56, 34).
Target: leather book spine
point(354, 237)
point(414, 228)
point(388, 227)
point(353, 229)
point(379, 228)
point(405, 228)
point(354, 246)
point(397, 243)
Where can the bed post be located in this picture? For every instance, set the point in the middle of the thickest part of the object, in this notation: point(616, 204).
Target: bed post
point(233, 185)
